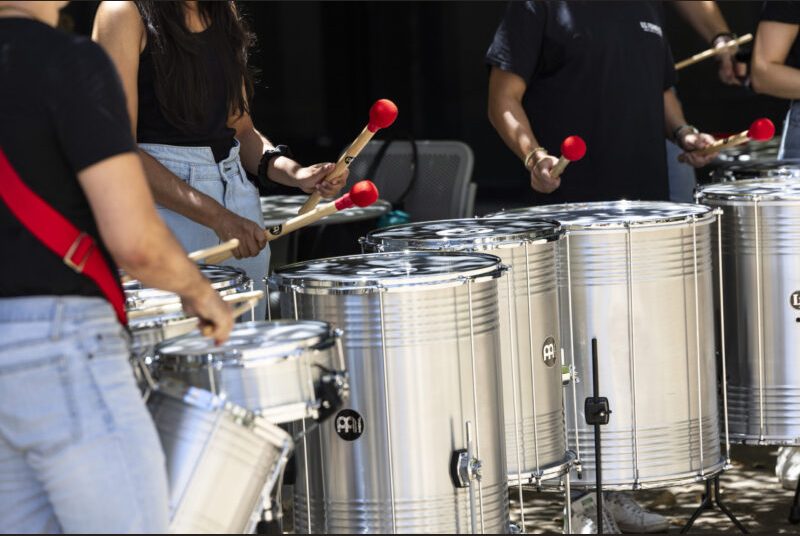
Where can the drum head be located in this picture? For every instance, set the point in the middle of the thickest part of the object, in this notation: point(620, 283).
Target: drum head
point(757, 169)
point(614, 214)
point(750, 190)
point(385, 272)
point(251, 341)
point(224, 279)
point(469, 234)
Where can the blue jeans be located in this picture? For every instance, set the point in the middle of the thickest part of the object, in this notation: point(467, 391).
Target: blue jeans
point(681, 176)
point(78, 449)
point(227, 183)
point(790, 141)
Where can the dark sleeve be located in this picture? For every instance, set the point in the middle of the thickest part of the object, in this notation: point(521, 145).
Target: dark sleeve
point(87, 106)
point(517, 42)
point(788, 12)
point(670, 78)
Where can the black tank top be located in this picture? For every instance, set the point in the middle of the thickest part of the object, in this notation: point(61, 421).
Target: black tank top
point(153, 127)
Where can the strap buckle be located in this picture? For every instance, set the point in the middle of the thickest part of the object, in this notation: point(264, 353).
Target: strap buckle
point(78, 266)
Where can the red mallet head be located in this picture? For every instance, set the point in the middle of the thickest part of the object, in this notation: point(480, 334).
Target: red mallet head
point(761, 130)
point(573, 148)
point(381, 115)
point(362, 194)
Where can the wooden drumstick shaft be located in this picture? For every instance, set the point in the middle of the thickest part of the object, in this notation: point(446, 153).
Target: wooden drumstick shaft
point(178, 306)
point(559, 168)
point(216, 253)
point(300, 221)
point(343, 163)
point(715, 51)
point(730, 141)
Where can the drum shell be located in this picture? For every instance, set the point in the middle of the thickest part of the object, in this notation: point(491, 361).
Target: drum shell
point(219, 468)
point(526, 327)
point(656, 350)
point(777, 253)
point(428, 352)
point(281, 389)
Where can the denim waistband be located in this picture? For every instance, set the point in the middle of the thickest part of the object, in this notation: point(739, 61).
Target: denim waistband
point(190, 155)
point(54, 308)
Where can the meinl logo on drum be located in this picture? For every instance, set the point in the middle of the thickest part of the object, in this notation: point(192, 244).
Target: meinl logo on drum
point(794, 299)
point(349, 424)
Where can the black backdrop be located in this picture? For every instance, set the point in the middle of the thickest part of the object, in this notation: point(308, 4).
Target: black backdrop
point(322, 64)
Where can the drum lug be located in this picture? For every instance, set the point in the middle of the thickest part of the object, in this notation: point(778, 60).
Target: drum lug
point(464, 469)
point(513, 528)
point(332, 391)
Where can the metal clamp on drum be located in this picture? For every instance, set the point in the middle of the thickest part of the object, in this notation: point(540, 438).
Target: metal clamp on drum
point(597, 410)
point(464, 468)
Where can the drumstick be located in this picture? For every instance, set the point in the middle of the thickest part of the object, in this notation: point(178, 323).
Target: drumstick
point(572, 148)
point(215, 254)
point(760, 130)
point(212, 255)
point(381, 115)
point(177, 307)
point(362, 194)
point(713, 51)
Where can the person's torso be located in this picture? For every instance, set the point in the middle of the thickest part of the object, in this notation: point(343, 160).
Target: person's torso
point(153, 126)
point(29, 79)
point(601, 75)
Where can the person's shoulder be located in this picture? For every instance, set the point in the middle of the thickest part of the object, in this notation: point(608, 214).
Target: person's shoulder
point(118, 15)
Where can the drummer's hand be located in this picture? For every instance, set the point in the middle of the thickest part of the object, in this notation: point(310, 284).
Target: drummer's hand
point(251, 236)
point(691, 141)
point(216, 316)
point(315, 178)
point(541, 181)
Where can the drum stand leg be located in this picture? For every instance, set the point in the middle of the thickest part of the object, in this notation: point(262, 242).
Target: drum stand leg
point(597, 412)
point(794, 512)
point(712, 495)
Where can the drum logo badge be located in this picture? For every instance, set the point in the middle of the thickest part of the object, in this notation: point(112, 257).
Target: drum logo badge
point(349, 424)
point(549, 351)
point(794, 299)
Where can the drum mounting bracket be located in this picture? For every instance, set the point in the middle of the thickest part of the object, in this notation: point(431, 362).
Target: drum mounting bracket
point(464, 469)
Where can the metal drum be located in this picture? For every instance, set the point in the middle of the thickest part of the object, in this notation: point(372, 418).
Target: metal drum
point(757, 169)
point(529, 326)
point(761, 306)
point(270, 368)
point(222, 460)
point(638, 277)
point(425, 414)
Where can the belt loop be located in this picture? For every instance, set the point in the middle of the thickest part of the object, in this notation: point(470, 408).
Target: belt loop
point(58, 315)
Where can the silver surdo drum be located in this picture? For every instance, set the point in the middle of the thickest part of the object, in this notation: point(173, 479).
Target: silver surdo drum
point(425, 414)
point(529, 328)
point(757, 169)
point(761, 306)
point(638, 277)
point(222, 460)
point(271, 368)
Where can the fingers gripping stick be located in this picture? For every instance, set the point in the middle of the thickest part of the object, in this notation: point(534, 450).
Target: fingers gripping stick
point(381, 115)
point(760, 130)
point(362, 194)
point(572, 148)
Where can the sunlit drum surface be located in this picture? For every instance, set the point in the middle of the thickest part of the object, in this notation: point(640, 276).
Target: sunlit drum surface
point(638, 277)
point(530, 338)
point(421, 344)
point(222, 460)
point(761, 306)
point(271, 368)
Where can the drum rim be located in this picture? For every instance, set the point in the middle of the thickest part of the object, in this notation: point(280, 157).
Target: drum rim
point(707, 215)
point(706, 191)
point(238, 357)
point(133, 300)
point(307, 285)
point(486, 242)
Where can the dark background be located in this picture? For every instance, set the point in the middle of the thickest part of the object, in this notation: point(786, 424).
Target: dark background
point(322, 64)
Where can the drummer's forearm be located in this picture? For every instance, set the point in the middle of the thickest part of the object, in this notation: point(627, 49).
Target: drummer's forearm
point(172, 193)
point(673, 113)
point(507, 114)
point(253, 144)
point(768, 73)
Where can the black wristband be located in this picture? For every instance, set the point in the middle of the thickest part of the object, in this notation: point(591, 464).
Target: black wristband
point(269, 154)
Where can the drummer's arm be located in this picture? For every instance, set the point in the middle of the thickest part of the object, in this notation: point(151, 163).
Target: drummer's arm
point(687, 139)
point(768, 72)
point(281, 169)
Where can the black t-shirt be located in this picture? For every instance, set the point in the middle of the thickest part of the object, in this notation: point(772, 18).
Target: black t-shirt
point(62, 109)
point(789, 13)
point(598, 70)
point(152, 126)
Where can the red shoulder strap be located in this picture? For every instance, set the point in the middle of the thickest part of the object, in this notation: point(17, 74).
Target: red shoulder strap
point(77, 249)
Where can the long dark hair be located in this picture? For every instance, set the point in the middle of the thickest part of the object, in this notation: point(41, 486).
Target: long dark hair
point(181, 79)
